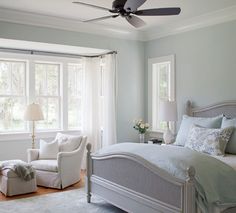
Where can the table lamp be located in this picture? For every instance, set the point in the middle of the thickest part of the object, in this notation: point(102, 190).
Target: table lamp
point(168, 112)
point(33, 113)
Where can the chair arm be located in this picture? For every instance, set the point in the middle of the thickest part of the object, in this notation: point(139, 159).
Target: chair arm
point(65, 159)
point(69, 165)
point(32, 154)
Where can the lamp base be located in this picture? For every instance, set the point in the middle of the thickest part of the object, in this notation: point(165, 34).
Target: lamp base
point(168, 137)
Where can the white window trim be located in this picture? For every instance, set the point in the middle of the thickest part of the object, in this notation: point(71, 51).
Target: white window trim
point(20, 136)
point(152, 61)
point(30, 82)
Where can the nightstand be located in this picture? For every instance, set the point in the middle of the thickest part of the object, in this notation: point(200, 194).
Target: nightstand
point(157, 141)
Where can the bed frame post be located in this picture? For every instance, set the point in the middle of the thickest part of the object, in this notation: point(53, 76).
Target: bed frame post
point(190, 196)
point(89, 171)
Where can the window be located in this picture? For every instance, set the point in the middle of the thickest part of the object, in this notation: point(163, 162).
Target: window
point(75, 90)
point(56, 83)
point(12, 94)
point(161, 87)
point(47, 93)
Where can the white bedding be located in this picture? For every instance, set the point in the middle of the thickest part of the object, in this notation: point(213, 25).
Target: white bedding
point(228, 159)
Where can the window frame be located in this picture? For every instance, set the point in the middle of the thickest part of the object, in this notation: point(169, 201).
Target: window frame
point(172, 93)
point(24, 97)
point(30, 93)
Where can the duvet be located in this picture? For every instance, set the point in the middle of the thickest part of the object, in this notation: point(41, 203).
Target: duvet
point(215, 181)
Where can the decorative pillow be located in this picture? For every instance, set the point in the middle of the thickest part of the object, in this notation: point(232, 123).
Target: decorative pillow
point(231, 146)
point(61, 137)
point(48, 150)
point(211, 141)
point(187, 123)
point(68, 143)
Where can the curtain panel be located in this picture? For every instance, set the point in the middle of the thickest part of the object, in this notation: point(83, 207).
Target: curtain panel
point(99, 101)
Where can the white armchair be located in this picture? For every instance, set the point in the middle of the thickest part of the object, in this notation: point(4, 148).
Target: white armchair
point(61, 172)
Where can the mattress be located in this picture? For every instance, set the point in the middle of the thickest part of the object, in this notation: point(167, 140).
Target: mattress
point(228, 159)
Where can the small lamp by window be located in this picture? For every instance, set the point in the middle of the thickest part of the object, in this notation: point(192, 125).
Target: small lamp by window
point(168, 112)
point(33, 113)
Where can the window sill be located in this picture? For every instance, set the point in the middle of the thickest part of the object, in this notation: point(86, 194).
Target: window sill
point(20, 136)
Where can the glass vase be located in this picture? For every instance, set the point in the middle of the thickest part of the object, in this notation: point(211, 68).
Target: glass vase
point(141, 137)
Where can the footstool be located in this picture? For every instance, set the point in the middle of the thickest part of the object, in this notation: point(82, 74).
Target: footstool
point(11, 184)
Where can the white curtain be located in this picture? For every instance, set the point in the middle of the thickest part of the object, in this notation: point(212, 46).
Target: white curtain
point(110, 88)
point(100, 128)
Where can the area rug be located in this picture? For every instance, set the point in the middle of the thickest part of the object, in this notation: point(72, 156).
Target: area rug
point(73, 201)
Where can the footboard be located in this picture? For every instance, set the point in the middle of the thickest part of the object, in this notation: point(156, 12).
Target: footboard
point(135, 185)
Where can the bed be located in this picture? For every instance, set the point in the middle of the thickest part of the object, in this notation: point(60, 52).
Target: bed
point(135, 185)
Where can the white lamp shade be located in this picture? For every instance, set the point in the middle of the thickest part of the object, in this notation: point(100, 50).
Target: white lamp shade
point(33, 112)
point(168, 111)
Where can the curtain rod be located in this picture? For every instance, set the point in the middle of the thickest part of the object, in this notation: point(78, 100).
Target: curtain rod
point(38, 52)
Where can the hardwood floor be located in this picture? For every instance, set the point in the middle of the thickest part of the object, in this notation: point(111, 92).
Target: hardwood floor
point(43, 190)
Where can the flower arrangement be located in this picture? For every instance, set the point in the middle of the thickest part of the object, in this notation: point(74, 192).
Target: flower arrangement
point(140, 126)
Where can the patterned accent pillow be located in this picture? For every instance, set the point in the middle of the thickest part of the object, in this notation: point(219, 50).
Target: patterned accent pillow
point(211, 141)
point(188, 121)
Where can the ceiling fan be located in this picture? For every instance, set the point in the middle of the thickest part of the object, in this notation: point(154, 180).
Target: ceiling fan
point(129, 10)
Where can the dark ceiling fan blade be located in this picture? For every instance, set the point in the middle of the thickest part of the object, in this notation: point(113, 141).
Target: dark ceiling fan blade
point(91, 5)
point(133, 5)
point(101, 18)
point(135, 21)
point(159, 12)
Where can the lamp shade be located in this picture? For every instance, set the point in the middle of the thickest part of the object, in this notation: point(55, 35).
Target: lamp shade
point(33, 112)
point(168, 111)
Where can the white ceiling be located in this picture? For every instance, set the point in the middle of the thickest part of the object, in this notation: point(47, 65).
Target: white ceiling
point(65, 9)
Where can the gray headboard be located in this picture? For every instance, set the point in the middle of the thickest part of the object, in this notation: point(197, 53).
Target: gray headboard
point(227, 108)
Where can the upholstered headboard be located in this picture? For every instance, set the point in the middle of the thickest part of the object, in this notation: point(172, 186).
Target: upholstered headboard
point(227, 108)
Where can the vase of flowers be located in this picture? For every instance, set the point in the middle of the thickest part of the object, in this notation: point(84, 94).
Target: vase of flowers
point(141, 127)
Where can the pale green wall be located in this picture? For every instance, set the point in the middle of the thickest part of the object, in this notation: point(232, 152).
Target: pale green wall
point(205, 69)
point(130, 62)
point(205, 63)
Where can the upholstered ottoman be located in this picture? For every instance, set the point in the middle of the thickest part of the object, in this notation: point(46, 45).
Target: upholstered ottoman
point(11, 184)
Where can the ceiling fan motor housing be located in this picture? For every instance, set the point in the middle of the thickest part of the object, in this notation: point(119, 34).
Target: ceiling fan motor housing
point(118, 7)
point(118, 4)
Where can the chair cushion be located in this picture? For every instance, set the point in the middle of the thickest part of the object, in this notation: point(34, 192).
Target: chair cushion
point(45, 165)
point(68, 143)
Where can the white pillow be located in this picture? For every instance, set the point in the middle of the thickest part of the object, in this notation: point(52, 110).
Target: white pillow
point(187, 123)
point(68, 143)
point(48, 150)
point(211, 141)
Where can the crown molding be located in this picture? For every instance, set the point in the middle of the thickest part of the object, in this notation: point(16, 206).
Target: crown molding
point(206, 20)
point(216, 17)
point(20, 17)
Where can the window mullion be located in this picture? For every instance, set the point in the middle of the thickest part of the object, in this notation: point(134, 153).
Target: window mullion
point(31, 86)
point(31, 81)
point(64, 96)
